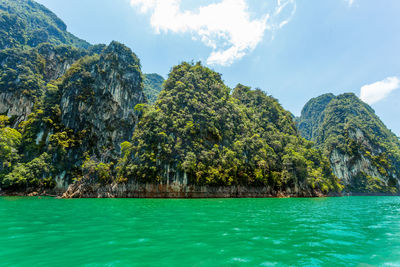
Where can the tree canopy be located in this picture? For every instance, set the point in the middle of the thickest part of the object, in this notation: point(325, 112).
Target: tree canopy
point(197, 130)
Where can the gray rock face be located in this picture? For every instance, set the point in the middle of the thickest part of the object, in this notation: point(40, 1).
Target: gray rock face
point(25, 73)
point(347, 168)
point(15, 106)
point(91, 92)
point(312, 116)
point(20, 82)
point(99, 95)
point(58, 60)
point(176, 190)
point(363, 153)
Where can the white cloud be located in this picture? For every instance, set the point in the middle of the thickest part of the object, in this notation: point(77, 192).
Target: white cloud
point(226, 26)
point(350, 2)
point(375, 92)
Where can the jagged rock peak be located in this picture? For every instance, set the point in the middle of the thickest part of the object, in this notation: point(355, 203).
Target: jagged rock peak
point(99, 94)
point(312, 115)
point(121, 52)
point(363, 152)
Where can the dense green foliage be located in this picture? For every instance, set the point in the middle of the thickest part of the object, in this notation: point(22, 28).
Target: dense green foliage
point(77, 102)
point(152, 86)
point(10, 139)
point(34, 174)
point(14, 174)
point(35, 53)
point(27, 23)
point(36, 150)
point(43, 146)
point(21, 70)
point(312, 116)
point(349, 126)
point(197, 130)
point(27, 71)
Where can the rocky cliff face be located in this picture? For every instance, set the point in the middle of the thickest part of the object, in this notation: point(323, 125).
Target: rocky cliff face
point(16, 107)
point(25, 73)
point(363, 153)
point(35, 49)
point(58, 59)
point(68, 100)
point(99, 95)
point(20, 82)
point(347, 167)
point(312, 116)
point(178, 190)
point(73, 103)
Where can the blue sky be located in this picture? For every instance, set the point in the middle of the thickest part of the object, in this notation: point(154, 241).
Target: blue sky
point(292, 49)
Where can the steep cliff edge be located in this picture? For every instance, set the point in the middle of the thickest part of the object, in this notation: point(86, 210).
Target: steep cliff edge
point(25, 74)
point(198, 140)
point(35, 48)
point(363, 153)
point(62, 100)
point(79, 104)
point(83, 120)
point(98, 96)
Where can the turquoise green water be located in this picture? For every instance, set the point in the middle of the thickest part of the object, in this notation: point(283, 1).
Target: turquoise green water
point(348, 231)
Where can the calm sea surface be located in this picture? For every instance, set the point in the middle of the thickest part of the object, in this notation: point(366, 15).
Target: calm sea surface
point(347, 231)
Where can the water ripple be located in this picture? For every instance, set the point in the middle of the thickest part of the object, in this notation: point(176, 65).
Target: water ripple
point(351, 231)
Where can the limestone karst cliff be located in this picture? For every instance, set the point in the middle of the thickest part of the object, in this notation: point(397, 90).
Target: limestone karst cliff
point(98, 96)
point(83, 106)
point(61, 99)
point(83, 119)
point(363, 153)
point(199, 133)
point(26, 72)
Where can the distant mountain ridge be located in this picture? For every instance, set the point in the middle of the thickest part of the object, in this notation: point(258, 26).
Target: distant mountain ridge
point(152, 86)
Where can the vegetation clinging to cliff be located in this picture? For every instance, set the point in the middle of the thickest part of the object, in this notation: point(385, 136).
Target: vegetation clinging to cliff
point(349, 126)
point(25, 23)
point(62, 83)
point(152, 86)
point(198, 131)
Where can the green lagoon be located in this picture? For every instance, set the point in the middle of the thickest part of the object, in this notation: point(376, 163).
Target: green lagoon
point(346, 231)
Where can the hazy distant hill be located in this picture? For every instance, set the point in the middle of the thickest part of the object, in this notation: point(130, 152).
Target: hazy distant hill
point(152, 86)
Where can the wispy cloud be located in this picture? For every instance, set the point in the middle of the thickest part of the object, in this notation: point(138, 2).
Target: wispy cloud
point(350, 2)
point(226, 26)
point(373, 93)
